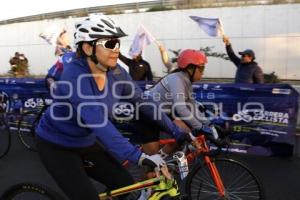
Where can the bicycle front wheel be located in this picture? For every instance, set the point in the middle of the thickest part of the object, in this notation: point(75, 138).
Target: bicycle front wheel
point(239, 182)
point(30, 191)
point(26, 129)
point(5, 138)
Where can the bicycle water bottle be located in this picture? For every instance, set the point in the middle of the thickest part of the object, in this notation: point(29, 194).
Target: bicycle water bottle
point(182, 164)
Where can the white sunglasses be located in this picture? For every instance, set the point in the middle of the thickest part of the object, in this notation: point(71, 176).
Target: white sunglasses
point(111, 44)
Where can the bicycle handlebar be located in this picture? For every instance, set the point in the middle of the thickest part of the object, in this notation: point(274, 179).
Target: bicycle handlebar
point(218, 142)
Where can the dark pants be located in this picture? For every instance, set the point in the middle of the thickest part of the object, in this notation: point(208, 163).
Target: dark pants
point(141, 131)
point(65, 165)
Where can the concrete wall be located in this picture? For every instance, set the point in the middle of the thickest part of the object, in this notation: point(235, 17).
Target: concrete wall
point(272, 31)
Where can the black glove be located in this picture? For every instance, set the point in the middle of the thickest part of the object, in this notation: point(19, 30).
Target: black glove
point(221, 131)
point(184, 137)
point(205, 130)
point(208, 132)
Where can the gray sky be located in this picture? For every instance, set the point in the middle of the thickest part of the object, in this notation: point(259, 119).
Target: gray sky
point(20, 8)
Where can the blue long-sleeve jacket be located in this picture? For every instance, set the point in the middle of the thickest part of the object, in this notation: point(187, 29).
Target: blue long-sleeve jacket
point(81, 113)
point(56, 70)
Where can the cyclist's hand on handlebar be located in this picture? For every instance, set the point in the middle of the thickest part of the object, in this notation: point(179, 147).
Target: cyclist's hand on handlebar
point(210, 135)
point(152, 161)
point(181, 135)
point(184, 137)
point(205, 130)
point(222, 132)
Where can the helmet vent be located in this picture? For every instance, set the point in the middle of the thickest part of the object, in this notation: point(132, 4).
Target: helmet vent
point(107, 23)
point(110, 31)
point(97, 29)
point(97, 36)
point(83, 30)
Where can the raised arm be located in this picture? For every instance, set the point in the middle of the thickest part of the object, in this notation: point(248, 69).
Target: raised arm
point(124, 59)
point(165, 58)
point(234, 58)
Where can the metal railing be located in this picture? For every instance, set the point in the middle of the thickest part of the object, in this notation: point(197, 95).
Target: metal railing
point(144, 6)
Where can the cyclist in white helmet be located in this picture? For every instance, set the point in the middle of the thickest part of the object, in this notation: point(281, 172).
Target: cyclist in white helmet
point(80, 116)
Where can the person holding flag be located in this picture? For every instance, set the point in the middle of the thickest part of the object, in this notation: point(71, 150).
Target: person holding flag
point(139, 69)
point(248, 70)
point(56, 36)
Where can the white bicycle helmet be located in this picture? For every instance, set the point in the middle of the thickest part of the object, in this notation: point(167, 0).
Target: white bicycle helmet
point(96, 26)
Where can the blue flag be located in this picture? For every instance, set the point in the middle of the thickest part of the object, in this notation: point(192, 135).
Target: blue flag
point(211, 26)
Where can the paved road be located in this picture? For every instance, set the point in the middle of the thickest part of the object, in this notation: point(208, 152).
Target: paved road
point(280, 176)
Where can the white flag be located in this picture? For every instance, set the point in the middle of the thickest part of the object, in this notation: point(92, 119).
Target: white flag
point(51, 34)
point(211, 26)
point(141, 39)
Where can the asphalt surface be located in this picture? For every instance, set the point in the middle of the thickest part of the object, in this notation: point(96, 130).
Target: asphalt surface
point(280, 176)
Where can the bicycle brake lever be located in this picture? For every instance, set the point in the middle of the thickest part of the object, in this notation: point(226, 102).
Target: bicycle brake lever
point(164, 170)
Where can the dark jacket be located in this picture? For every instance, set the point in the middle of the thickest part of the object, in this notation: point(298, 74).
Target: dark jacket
point(246, 72)
point(138, 70)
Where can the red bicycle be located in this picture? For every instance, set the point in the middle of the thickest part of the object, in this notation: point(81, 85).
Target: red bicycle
point(213, 177)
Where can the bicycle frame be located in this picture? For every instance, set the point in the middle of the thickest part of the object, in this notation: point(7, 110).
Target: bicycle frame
point(203, 149)
point(161, 185)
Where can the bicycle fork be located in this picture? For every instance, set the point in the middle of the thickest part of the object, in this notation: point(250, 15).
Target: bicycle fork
point(216, 177)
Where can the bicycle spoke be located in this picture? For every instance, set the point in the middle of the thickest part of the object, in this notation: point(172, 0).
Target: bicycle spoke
point(238, 181)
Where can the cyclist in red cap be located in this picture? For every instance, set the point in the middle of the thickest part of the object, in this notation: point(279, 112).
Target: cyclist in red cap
point(174, 93)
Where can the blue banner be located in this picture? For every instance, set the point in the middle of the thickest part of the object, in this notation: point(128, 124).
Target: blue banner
point(21, 95)
point(263, 117)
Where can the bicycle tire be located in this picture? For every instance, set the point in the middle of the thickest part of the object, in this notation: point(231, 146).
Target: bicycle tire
point(238, 180)
point(5, 138)
point(32, 191)
point(26, 128)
